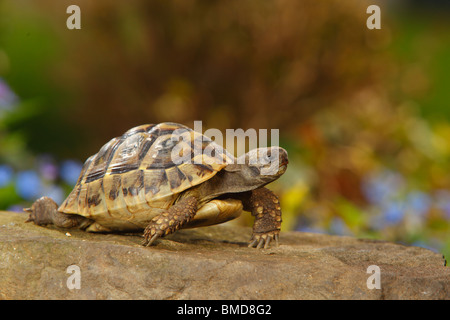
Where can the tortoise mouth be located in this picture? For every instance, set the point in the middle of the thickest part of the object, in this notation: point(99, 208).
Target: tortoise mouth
point(283, 158)
point(284, 162)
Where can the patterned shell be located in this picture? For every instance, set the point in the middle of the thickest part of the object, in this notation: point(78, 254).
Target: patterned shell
point(133, 177)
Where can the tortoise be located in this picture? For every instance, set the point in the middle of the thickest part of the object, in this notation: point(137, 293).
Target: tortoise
point(158, 178)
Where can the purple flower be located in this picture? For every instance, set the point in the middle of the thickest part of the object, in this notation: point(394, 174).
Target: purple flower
point(7, 97)
point(47, 168)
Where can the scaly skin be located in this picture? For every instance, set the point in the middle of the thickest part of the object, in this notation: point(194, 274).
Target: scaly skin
point(262, 203)
point(265, 207)
point(170, 221)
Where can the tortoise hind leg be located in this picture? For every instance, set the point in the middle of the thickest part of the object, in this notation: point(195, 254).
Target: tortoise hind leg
point(45, 211)
point(265, 206)
point(172, 220)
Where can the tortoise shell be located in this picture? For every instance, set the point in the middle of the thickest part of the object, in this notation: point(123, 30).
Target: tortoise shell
point(133, 177)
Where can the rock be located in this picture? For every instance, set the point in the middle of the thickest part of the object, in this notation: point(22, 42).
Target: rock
point(209, 263)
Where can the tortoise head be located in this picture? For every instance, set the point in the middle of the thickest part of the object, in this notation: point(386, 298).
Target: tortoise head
point(41, 211)
point(268, 163)
point(260, 166)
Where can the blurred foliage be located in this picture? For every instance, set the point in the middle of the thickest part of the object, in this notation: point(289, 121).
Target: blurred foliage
point(363, 113)
point(231, 64)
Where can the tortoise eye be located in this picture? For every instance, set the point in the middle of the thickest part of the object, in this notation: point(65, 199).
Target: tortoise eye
point(267, 157)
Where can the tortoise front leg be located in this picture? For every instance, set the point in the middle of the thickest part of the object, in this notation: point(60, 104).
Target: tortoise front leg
point(170, 221)
point(265, 206)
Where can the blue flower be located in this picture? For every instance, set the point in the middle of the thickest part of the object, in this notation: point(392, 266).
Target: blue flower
point(70, 171)
point(425, 245)
point(15, 208)
point(6, 174)
point(310, 229)
point(393, 212)
point(382, 186)
point(55, 192)
point(28, 184)
point(419, 202)
point(339, 227)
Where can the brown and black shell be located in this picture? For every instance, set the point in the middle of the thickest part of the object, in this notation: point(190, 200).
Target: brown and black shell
point(132, 178)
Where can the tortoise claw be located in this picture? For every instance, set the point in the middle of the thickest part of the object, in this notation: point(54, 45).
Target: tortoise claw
point(259, 240)
point(30, 216)
point(148, 243)
point(252, 244)
point(267, 242)
point(151, 233)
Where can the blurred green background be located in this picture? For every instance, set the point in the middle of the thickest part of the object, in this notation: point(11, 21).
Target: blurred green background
point(364, 114)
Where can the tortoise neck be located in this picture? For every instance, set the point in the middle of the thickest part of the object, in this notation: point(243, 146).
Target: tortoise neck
point(224, 182)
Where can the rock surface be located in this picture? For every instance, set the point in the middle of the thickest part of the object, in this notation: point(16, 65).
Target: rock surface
point(210, 263)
